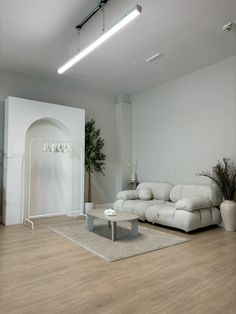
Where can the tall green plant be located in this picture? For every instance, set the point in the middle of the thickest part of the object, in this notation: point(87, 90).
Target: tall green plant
point(224, 175)
point(94, 154)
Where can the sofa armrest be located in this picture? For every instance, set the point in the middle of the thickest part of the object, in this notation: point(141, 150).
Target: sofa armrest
point(127, 195)
point(191, 204)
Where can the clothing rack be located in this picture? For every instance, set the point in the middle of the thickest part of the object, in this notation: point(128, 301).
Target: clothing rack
point(48, 146)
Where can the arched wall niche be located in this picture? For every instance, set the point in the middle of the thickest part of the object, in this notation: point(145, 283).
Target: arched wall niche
point(48, 177)
point(57, 179)
point(51, 121)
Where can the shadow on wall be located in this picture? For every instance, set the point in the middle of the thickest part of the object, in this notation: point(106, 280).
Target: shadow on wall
point(100, 188)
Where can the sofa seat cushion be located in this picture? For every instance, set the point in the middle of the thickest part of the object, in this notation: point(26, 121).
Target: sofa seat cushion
point(160, 213)
point(182, 219)
point(118, 205)
point(137, 207)
point(201, 218)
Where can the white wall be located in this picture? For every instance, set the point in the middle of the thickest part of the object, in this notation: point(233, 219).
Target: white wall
point(97, 105)
point(186, 125)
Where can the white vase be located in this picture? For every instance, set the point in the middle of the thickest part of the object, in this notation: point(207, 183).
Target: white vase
point(133, 177)
point(228, 214)
point(88, 206)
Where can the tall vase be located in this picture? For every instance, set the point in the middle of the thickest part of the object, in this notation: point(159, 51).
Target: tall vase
point(228, 214)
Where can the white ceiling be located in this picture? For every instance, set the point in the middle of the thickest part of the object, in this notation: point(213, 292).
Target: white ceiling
point(36, 37)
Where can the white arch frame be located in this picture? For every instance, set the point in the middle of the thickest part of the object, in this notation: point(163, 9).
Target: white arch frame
point(20, 114)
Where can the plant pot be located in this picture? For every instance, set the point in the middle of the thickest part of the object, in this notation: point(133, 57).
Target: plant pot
point(88, 206)
point(228, 214)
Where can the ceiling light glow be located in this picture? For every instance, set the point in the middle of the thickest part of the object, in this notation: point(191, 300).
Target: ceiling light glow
point(105, 36)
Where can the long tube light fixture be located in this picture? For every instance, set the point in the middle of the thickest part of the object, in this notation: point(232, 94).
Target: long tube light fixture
point(100, 40)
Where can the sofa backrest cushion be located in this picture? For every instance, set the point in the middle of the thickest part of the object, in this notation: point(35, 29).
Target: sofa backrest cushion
point(160, 190)
point(181, 191)
point(145, 194)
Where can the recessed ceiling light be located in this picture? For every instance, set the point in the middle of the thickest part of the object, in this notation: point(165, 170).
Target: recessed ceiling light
point(154, 57)
point(227, 27)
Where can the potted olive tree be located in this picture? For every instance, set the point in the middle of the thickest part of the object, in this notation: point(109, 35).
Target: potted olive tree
point(94, 157)
point(224, 175)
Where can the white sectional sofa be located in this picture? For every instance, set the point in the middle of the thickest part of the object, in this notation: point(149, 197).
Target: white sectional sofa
point(186, 207)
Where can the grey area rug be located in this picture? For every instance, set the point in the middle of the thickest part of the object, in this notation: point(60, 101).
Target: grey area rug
point(99, 242)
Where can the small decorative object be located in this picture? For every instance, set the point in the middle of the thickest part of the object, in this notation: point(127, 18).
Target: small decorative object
point(94, 155)
point(133, 176)
point(56, 148)
point(110, 212)
point(62, 149)
point(224, 175)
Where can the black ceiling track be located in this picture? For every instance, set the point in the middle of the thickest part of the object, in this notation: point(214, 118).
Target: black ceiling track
point(100, 6)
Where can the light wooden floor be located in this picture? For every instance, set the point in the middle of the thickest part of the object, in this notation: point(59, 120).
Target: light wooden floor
point(41, 272)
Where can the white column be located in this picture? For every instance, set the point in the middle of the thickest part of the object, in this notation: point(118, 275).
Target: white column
point(1, 153)
point(124, 141)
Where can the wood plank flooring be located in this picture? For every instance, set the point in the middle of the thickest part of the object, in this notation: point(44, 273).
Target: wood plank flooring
point(41, 272)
